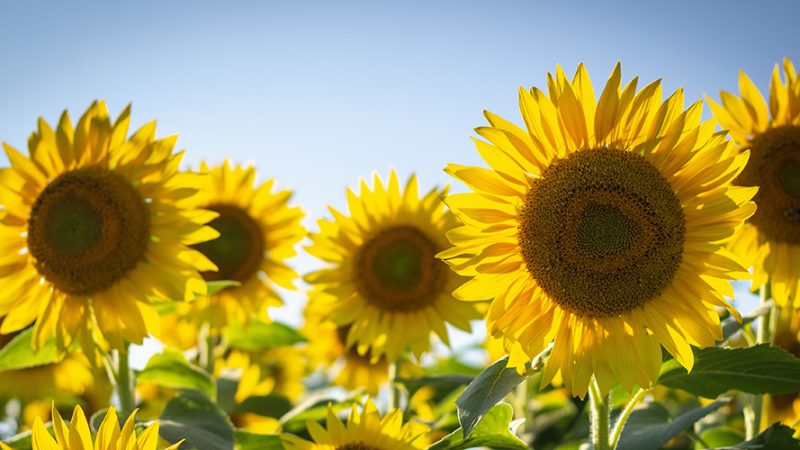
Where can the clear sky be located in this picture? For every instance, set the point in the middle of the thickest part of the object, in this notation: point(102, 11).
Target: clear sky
point(318, 94)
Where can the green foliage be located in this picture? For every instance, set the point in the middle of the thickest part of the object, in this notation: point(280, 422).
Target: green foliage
point(776, 437)
point(250, 441)
point(718, 437)
point(650, 427)
point(761, 369)
point(257, 335)
point(491, 386)
point(17, 354)
point(266, 405)
point(192, 415)
point(24, 440)
point(441, 384)
point(170, 369)
point(494, 430)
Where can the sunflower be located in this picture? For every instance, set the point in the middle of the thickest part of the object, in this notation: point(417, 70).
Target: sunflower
point(770, 241)
point(96, 224)
point(257, 233)
point(109, 437)
point(327, 348)
point(600, 227)
point(785, 408)
point(383, 281)
point(364, 431)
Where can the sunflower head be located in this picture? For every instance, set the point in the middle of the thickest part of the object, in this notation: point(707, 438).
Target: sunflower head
point(327, 348)
point(771, 133)
point(258, 231)
point(365, 430)
point(593, 222)
point(95, 224)
point(109, 437)
point(383, 282)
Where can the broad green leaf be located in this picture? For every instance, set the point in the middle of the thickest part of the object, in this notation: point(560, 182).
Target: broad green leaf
point(250, 441)
point(443, 384)
point(491, 386)
point(215, 286)
point(718, 437)
point(258, 335)
point(650, 427)
point(267, 405)
point(18, 353)
point(776, 437)
point(170, 369)
point(192, 416)
point(493, 431)
point(761, 369)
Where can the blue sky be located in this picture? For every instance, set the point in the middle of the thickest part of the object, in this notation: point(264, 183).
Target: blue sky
point(318, 94)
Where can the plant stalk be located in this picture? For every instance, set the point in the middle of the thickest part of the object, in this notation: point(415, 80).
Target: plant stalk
point(392, 397)
point(625, 415)
point(599, 417)
point(124, 382)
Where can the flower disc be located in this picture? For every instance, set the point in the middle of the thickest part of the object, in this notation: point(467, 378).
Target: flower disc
point(87, 229)
point(602, 232)
point(397, 270)
point(774, 166)
point(238, 250)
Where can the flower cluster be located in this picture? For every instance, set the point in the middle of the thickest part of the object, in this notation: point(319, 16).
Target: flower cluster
point(598, 242)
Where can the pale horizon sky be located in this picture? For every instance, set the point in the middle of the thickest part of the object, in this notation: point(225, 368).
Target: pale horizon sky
point(319, 94)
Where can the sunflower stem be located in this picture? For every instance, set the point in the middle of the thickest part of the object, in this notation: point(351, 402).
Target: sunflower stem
point(123, 381)
point(626, 413)
point(391, 399)
point(599, 417)
point(205, 344)
point(521, 401)
point(766, 327)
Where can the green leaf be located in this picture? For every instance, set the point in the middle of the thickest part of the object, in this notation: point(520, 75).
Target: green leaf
point(719, 437)
point(493, 431)
point(440, 383)
point(24, 440)
point(491, 386)
point(250, 441)
point(18, 354)
point(192, 416)
point(257, 335)
point(215, 286)
point(761, 369)
point(267, 405)
point(776, 437)
point(650, 427)
point(170, 369)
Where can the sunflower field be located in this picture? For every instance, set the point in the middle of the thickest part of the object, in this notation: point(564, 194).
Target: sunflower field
point(596, 242)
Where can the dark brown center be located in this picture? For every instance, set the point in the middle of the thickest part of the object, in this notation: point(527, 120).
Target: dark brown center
point(397, 270)
point(774, 167)
point(602, 232)
point(87, 229)
point(240, 247)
